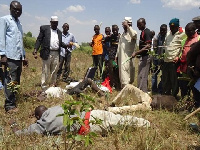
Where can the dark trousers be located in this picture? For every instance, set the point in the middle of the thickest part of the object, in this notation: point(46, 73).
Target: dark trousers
point(97, 62)
point(156, 87)
point(170, 79)
point(2, 75)
point(185, 89)
point(12, 75)
point(66, 61)
point(82, 85)
point(143, 72)
point(114, 75)
point(196, 97)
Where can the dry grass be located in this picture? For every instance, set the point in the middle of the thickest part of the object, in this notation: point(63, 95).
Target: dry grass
point(168, 130)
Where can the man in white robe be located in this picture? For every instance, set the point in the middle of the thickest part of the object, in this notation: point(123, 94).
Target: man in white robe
point(125, 49)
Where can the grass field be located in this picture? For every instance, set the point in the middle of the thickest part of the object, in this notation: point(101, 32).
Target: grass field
point(168, 131)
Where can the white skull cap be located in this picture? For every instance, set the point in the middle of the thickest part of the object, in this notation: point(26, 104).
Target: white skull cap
point(129, 19)
point(54, 18)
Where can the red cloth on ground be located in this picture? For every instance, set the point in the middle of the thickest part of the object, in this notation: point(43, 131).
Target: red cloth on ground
point(85, 129)
point(106, 83)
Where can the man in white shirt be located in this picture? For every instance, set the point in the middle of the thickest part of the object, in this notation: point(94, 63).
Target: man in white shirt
point(50, 40)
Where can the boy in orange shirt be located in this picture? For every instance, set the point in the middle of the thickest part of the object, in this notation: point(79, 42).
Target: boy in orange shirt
point(97, 48)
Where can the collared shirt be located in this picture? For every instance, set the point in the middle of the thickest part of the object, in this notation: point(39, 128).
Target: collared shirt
point(11, 38)
point(54, 43)
point(173, 45)
point(145, 38)
point(67, 39)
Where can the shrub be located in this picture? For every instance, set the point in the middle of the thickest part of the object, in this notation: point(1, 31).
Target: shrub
point(29, 42)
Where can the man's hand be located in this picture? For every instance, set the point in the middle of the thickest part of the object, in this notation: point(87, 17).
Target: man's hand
point(115, 60)
point(25, 62)
point(70, 45)
point(4, 60)
point(35, 53)
point(176, 59)
point(133, 55)
point(13, 125)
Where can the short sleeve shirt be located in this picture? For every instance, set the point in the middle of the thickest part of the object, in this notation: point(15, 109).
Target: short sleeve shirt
point(97, 48)
point(145, 37)
point(114, 40)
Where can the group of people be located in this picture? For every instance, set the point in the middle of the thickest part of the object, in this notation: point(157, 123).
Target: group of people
point(176, 54)
point(166, 52)
point(55, 50)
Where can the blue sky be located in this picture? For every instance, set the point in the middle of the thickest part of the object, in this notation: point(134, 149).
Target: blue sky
point(82, 15)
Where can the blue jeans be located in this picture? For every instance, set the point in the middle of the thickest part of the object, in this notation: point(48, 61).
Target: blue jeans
point(12, 74)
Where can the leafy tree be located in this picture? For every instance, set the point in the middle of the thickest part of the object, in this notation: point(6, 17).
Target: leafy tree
point(29, 41)
point(29, 34)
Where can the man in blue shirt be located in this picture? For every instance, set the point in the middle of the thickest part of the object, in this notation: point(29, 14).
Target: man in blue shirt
point(12, 52)
point(65, 54)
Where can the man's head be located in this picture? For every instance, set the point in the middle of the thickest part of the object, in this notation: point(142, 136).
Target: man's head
point(115, 29)
point(96, 29)
point(54, 22)
point(190, 29)
point(127, 20)
point(15, 9)
point(39, 111)
point(141, 24)
point(163, 30)
point(107, 30)
point(174, 25)
point(65, 28)
point(152, 33)
point(196, 21)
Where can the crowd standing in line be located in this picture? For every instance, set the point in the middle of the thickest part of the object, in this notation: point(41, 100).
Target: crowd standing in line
point(180, 57)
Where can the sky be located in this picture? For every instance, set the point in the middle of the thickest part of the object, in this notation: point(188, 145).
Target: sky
point(82, 15)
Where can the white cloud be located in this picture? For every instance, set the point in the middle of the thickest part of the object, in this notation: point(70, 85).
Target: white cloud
point(181, 4)
point(73, 20)
point(77, 8)
point(42, 19)
point(135, 1)
point(62, 13)
point(4, 9)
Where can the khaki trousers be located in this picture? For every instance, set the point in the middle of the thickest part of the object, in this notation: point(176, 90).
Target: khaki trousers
point(50, 69)
point(131, 99)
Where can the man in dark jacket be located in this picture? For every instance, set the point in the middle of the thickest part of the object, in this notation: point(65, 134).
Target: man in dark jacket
point(50, 40)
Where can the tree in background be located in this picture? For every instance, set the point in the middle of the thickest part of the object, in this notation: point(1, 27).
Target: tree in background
point(29, 40)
